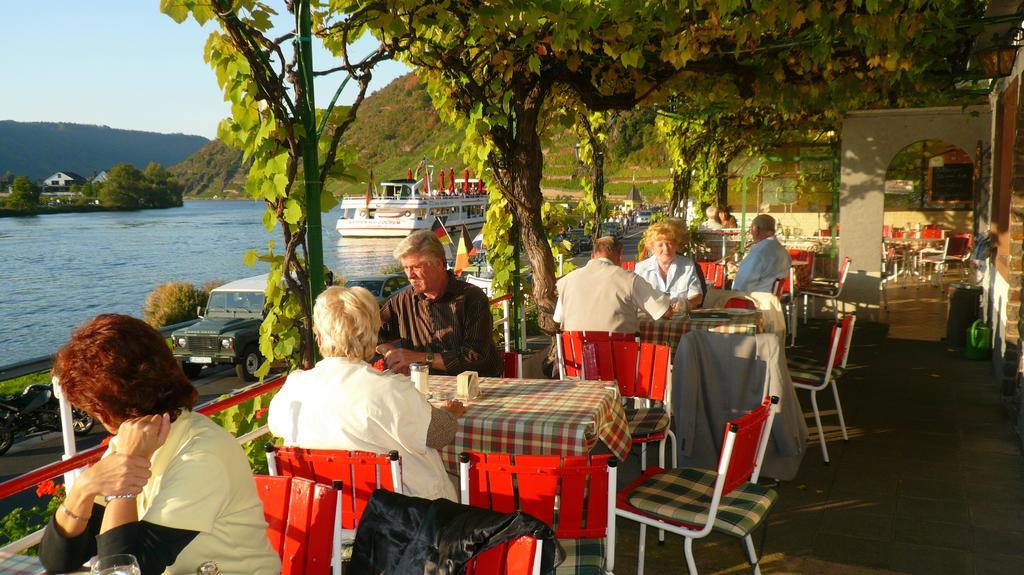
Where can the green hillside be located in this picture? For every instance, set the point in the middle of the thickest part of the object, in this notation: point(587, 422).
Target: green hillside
point(38, 149)
point(215, 171)
point(397, 127)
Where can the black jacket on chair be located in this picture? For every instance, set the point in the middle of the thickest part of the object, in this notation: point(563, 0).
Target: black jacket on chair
point(402, 535)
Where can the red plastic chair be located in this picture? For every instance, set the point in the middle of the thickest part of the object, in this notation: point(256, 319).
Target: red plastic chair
point(934, 233)
point(360, 473)
point(630, 266)
point(815, 375)
point(694, 502)
point(639, 369)
point(301, 519)
point(804, 273)
point(739, 303)
point(512, 365)
point(959, 251)
point(714, 274)
point(518, 557)
point(581, 488)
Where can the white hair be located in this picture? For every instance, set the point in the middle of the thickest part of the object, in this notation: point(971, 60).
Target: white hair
point(421, 243)
point(348, 321)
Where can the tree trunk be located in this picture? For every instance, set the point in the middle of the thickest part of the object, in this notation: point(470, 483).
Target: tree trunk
point(598, 183)
point(525, 160)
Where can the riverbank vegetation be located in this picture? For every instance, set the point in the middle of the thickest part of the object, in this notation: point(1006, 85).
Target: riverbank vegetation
point(175, 302)
point(125, 188)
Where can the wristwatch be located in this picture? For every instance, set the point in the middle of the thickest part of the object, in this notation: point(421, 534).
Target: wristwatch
point(430, 358)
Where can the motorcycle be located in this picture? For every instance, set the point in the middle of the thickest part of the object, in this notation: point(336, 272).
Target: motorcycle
point(35, 410)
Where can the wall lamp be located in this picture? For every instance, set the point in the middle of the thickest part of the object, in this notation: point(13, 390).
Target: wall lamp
point(998, 58)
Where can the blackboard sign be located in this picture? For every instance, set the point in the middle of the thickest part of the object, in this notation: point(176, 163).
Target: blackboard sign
point(952, 184)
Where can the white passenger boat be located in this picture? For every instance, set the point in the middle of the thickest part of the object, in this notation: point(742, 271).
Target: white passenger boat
point(396, 208)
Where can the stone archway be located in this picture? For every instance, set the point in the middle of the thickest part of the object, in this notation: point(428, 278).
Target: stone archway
point(870, 139)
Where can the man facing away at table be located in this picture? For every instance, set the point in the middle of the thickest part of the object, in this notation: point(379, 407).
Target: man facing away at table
point(766, 261)
point(601, 296)
point(442, 321)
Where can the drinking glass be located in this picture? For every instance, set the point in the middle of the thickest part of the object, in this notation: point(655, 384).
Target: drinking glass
point(116, 565)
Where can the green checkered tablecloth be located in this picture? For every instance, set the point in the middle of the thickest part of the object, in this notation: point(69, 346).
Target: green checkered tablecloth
point(14, 564)
point(670, 331)
point(537, 417)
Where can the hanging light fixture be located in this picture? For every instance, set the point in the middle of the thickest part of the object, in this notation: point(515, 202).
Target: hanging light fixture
point(997, 60)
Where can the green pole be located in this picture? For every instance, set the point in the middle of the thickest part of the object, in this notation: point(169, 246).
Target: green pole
point(743, 215)
point(834, 250)
point(310, 159)
point(517, 292)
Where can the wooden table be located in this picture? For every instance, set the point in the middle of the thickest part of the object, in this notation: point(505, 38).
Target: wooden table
point(537, 417)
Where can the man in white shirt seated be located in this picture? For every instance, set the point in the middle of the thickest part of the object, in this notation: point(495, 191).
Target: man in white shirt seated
point(601, 296)
point(766, 261)
point(711, 224)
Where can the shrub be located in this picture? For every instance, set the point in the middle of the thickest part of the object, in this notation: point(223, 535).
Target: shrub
point(174, 302)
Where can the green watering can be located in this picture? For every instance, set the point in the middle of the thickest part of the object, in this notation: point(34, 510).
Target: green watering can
point(979, 341)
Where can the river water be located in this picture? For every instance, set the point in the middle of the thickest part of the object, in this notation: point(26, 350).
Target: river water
point(61, 270)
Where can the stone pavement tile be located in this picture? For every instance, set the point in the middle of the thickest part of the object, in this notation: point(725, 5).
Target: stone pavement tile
point(1007, 492)
point(932, 488)
point(924, 470)
point(994, 564)
point(988, 541)
point(932, 510)
point(996, 515)
point(856, 524)
point(790, 535)
point(812, 565)
point(873, 504)
point(1003, 445)
point(938, 534)
point(881, 481)
point(852, 550)
point(986, 460)
point(930, 560)
point(949, 454)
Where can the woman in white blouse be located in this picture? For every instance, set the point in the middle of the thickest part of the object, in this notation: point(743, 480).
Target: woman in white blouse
point(668, 271)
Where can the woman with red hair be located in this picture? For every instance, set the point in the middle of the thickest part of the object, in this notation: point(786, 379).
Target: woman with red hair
point(173, 489)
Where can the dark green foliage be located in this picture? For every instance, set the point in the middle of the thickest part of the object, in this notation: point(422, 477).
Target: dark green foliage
point(24, 195)
point(127, 188)
point(38, 149)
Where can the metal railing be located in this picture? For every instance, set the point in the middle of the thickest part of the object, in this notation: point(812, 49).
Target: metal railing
point(75, 462)
point(93, 455)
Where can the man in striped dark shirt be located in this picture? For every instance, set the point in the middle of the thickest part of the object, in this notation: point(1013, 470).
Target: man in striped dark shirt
point(442, 320)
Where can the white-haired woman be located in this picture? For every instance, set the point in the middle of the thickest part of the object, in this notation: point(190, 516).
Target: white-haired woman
point(668, 271)
point(344, 403)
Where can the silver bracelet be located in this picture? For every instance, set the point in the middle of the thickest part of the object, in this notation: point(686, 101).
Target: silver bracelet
point(68, 512)
point(109, 498)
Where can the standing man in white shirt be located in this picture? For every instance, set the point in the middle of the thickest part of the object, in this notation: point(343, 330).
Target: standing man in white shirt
point(601, 296)
point(766, 261)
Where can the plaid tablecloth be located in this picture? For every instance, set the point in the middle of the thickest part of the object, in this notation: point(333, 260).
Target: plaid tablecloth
point(670, 331)
point(537, 417)
point(12, 564)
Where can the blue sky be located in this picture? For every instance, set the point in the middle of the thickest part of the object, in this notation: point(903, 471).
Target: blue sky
point(123, 64)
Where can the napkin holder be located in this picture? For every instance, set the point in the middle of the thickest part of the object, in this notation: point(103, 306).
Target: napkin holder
point(467, 385)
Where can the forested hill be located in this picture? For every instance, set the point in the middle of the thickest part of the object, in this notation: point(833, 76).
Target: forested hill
point(38, 149)
point(397, 127)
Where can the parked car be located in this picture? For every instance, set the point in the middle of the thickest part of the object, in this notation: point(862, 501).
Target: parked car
point(228, 332)
point(644, 216)
point(580, 241)
point(382, 286)
point(611, 229)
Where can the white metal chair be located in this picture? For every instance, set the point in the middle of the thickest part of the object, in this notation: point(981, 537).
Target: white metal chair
point(828, 290)
point(815, 376)
point(694, 502)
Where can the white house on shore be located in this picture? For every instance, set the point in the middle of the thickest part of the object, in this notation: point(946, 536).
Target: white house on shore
point(62, 181)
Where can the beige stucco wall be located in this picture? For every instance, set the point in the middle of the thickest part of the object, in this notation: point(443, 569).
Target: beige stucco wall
point(870, 139)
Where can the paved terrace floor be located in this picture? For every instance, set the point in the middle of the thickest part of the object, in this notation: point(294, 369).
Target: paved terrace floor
point(931, 481)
